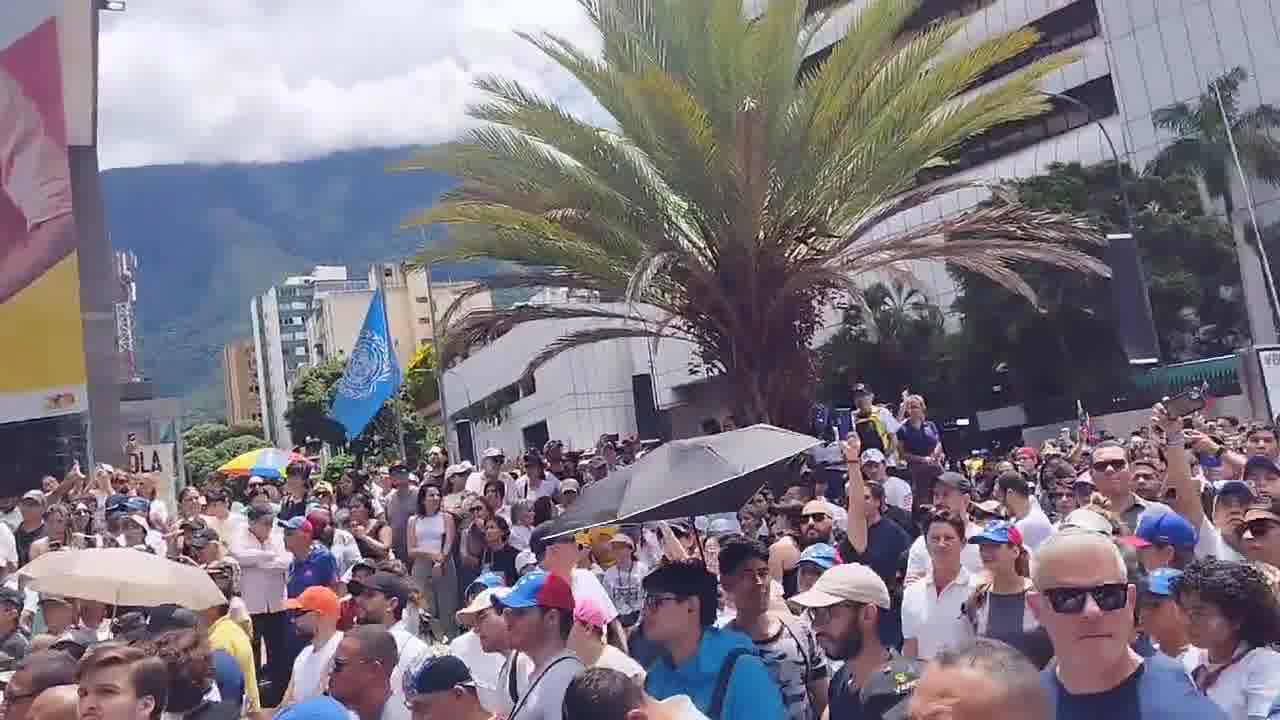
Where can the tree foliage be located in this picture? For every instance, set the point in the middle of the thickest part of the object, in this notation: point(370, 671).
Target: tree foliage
point(738, 188)
point(207, 446)
point(420, 385)
point(1068, 347)
point(206, 435)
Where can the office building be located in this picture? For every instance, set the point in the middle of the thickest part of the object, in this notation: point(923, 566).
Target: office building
point(279, 320)
point(240, 382)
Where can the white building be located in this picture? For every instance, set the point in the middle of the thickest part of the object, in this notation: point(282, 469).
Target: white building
point(1134, 57)
point(280, 342)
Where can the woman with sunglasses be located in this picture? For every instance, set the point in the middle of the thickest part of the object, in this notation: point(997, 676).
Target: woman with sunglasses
point(1235, 619)
point(932, 607)
point(83, 533)
point(998, 607)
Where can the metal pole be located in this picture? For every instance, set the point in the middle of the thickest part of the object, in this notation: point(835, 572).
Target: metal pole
point(1248, 198)
point(395, 406)
point(435, 348)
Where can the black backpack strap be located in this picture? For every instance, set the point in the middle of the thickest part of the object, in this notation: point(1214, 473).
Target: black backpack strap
point(511, 679)
point(722, 681)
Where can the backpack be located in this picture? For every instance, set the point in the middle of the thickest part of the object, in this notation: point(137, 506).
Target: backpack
point(871, 430)
point(722, 681)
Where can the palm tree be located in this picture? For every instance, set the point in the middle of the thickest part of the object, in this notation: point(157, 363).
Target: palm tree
point(1203, 149)
point(890, 311)
point(737, 190)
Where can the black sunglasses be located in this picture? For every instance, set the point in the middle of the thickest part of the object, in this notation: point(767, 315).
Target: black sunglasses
point(1071, 601)
point(1104, 465)
point(814, 517)
point(1257, 528)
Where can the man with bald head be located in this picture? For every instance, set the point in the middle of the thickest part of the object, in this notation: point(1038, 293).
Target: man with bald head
point(1084, 600)
point(57, 703)
point(985, 679)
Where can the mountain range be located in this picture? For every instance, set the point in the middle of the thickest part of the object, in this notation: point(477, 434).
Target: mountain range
point(210, 237)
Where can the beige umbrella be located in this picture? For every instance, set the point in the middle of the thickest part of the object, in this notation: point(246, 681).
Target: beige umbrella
point(121, 576)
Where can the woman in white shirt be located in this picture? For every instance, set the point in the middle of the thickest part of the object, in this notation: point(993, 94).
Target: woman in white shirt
point(933, 607)
point(1235, 619)
point(431, 537)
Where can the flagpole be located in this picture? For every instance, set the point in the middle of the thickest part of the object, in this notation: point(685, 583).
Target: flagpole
point(391, 340)
point(435, 348)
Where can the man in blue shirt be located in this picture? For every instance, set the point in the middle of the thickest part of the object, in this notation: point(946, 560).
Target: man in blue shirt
point(312, 564)
point(718, 669)
point(1085, 602)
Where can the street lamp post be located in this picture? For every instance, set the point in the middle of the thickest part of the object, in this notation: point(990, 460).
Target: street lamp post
point(1122, 256)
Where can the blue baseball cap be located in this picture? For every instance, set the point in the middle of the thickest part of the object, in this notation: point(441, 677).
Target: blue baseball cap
point(1235, 488)
point(137, 504)
point(998, 532)
point(320, 708)
point(538, 589)
point(485, 581)
point(1160, 582)
point(1261, 462)
point(820, 554)
point(1162, 528)
point(297, 523)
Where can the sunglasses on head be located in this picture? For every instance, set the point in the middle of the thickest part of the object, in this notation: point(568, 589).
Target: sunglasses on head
point(1115, 465)
point(1071, 601)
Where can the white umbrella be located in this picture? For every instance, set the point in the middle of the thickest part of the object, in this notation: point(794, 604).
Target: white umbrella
point(122, 576)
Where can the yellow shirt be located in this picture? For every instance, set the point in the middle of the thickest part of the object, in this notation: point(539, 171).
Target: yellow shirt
point(226, 635)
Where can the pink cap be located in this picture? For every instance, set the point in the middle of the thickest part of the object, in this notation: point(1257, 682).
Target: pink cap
point(588, 611)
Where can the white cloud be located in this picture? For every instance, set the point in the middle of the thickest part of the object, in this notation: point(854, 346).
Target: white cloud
point(270, 80)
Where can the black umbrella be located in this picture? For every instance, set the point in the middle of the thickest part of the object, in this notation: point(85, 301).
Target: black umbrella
point(687, 478)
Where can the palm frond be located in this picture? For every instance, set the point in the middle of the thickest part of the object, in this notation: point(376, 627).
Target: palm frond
point(482, 326)
point(581, 338)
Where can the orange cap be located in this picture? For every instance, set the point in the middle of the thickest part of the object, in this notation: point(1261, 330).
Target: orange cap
point(317, 599)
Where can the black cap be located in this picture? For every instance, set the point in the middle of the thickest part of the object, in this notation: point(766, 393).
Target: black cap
point(388, 584)
point(538, 540)
point(203, 537)
point(861, 389)
point(438, 674)
point(163, 618)
point(11, 597)
point(955, 480)
point(364, 564)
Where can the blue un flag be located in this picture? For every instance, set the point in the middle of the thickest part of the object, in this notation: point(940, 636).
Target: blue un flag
point(372, 375)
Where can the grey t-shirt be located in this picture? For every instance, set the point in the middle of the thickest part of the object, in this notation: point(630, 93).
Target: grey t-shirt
point(1005, 622)
point(794, 659)
point(544, 700)
point(399, 506)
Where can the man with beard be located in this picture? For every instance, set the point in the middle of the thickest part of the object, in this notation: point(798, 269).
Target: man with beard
point(845, 605)
point(318, 609)
point(381, 600)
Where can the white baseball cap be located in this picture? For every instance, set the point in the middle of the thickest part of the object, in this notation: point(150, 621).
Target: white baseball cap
point(873, 455)
point(851, 582)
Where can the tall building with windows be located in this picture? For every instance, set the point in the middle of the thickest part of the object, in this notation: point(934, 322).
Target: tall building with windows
point(279, 320)
point(240, 382)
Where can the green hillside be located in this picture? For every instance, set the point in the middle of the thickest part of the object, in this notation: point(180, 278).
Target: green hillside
point(209, 237)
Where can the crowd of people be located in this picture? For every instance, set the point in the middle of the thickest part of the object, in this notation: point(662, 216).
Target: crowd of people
point(1087, 577)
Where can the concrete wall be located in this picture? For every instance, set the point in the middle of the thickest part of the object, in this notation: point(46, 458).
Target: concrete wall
point(1122, 423)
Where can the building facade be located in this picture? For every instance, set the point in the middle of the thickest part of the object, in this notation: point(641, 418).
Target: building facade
point(1132, 58)
point(240, 382)
point(281, 350)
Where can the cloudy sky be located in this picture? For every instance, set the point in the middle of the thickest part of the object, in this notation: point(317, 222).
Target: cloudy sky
point(268, 80)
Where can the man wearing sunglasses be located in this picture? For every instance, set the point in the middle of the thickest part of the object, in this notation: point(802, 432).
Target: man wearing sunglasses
point(1111, 471)
point(1260, 533)
point(361, 672)
point(1085, 602)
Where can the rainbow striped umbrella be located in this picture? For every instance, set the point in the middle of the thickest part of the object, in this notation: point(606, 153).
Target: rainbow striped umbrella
point(265, 462)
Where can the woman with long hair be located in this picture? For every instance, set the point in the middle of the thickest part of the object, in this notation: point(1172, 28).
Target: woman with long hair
point(920, 443)
point(932, 607)
point(189, 503)
point(83, 532)
point(373, 536)
point(998, 606)
point(1235, 620)
point(57, 531)
point(544, 509)
point(472, 543)
point(431, 537)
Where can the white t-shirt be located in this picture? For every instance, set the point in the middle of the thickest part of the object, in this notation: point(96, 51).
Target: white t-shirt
point(897, 492)
point(485, 669)
point(544, 700)
point(1248, 688)
point(1035, 527)
point(8, 547)
point(413, 652)
point(615, 659)
point(310, 668)
point(920, 564)
point(520, 535)
point(521, 490)
point(1212, 544)
point(585, 584)
point(936, 620)
point(500, 703)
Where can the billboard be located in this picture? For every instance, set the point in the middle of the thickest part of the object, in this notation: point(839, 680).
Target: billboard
point(40, 317)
